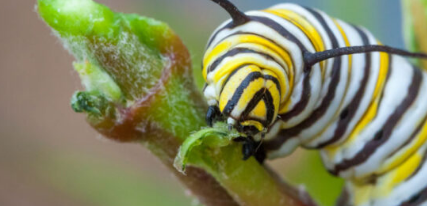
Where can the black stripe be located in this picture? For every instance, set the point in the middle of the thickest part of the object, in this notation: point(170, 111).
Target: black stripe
point(384, 134)
point(239, 91)
point(268, 99)
point(275, 81)
point(302, 104)
point(236, 51)
point(410, 139)
point(285, 135)
point(227, 26)
point(229, 53)
point(416, 199)
point(348, 113)
point(204, 87)
point(252, 103)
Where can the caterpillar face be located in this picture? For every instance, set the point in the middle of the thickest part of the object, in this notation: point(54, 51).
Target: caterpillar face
point(249, 99)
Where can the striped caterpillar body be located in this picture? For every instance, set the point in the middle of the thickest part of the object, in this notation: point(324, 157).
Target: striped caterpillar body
point(364, 110)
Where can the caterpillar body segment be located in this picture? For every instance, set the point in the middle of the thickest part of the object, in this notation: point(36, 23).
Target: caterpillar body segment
point(366, 111)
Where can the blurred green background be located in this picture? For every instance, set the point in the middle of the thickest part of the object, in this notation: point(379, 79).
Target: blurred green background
point(49, 156)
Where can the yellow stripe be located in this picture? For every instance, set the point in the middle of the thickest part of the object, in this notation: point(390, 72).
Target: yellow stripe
point(388, 182)
point(303, 24)
point(260, 111)
point(347, 43)
point(371, 111)
point(232, 41)
point(254, 123)
point(407, 169)
point(384, 66)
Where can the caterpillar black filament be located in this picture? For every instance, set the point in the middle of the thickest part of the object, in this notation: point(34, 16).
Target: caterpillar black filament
point(293, 76)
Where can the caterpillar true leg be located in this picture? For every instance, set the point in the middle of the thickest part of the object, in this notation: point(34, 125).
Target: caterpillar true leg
point(251, 148)
point(212, 114)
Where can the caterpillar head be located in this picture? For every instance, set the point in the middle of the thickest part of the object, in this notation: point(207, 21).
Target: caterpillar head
point(248, 100)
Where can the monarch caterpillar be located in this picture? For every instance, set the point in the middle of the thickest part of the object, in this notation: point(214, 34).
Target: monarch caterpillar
point(292, 76)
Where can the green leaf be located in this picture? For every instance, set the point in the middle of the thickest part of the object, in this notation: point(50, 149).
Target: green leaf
point(215, 137)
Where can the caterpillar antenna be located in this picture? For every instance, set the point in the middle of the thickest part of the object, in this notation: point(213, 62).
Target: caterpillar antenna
point(238, 16)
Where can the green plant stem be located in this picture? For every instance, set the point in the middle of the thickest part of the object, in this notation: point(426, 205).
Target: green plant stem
point(249, 182)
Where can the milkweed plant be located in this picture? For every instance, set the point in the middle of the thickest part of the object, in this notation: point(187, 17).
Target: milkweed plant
point(139, 88)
